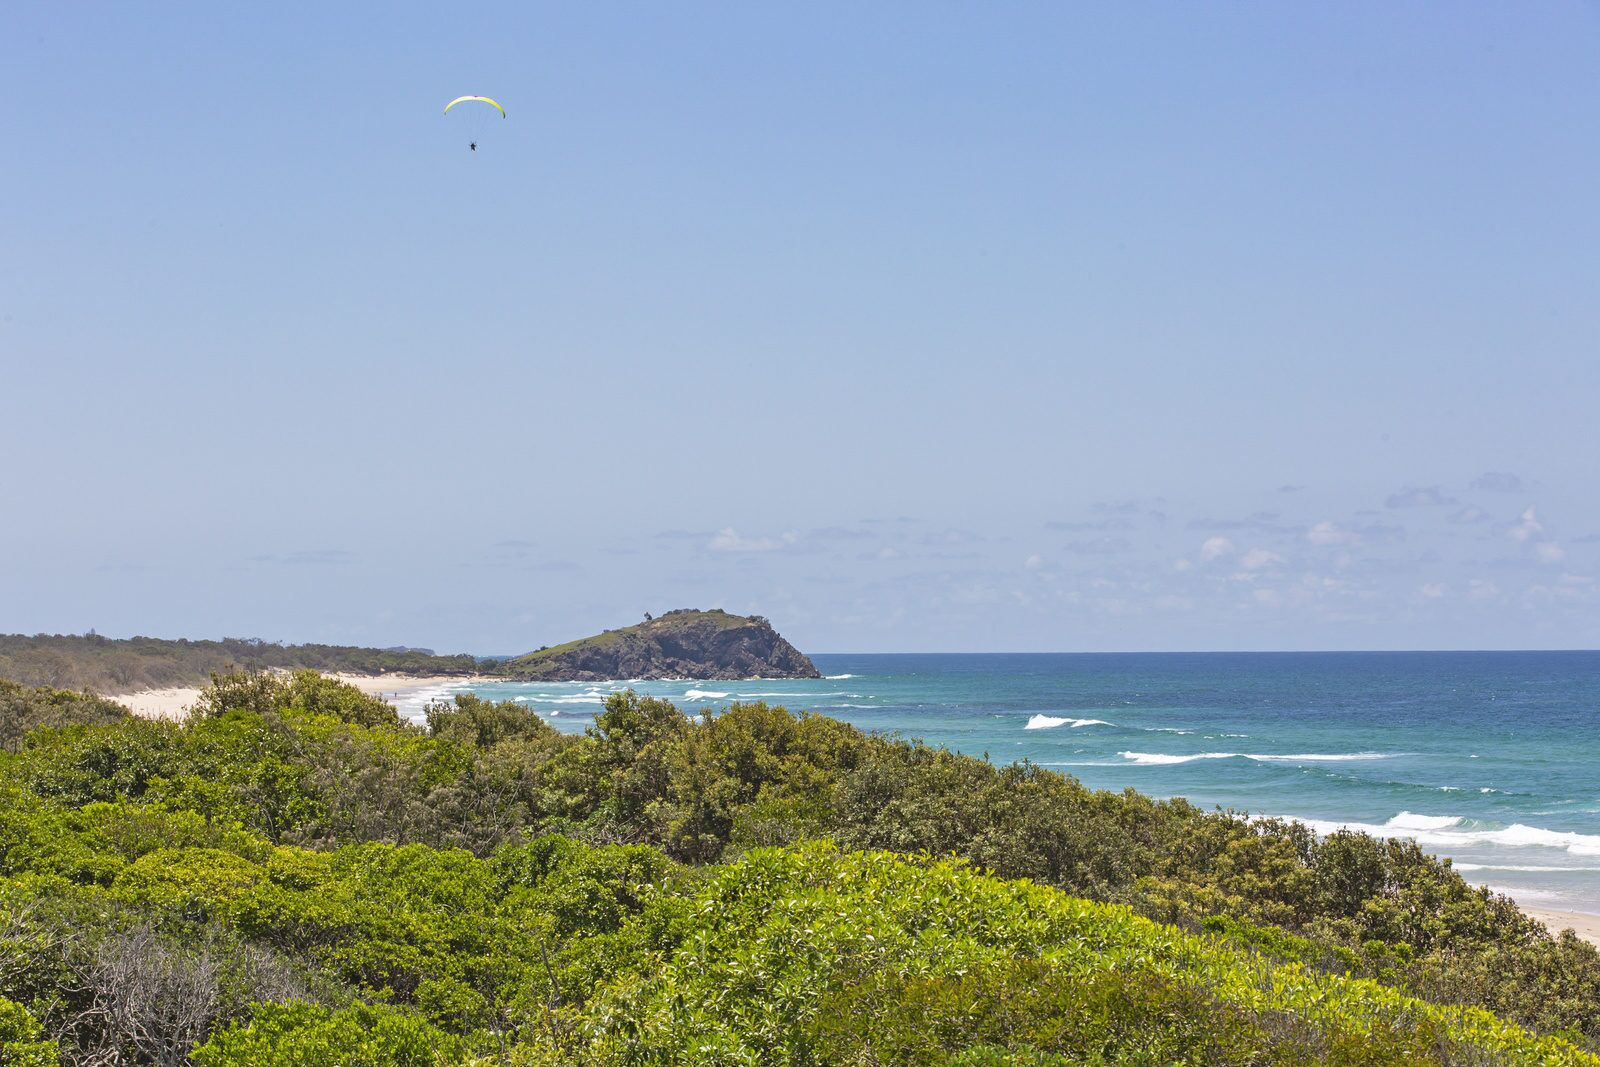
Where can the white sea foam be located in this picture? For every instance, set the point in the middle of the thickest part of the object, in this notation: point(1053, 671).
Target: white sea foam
point(413, 706)
point(1449, 832)
point(703, 694)
point(1157, 759)
point(1410, 821)
point(837, 677)
point(1050, 722)
point(1161, 759)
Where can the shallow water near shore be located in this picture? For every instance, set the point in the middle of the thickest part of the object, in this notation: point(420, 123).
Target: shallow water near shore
point(1491, 758)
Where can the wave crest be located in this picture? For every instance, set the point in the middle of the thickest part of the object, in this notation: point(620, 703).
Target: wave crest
point(1450, 832)
point(1050, 722)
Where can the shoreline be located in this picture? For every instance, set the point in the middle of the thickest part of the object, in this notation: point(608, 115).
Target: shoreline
point(1585, 925)
point(174, 703)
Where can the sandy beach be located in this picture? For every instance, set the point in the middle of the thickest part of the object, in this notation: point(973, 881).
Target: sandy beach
point(175, 703)
point(1583, 924)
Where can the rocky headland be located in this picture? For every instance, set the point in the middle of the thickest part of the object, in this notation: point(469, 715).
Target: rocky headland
point(686, 643)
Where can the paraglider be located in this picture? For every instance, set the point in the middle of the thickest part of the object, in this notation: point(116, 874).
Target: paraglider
point(476, 123)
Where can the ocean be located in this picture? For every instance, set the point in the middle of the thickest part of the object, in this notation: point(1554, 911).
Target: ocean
point(1491, 758)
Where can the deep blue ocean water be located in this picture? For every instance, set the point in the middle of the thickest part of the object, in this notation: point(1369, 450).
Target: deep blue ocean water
point(1492, 758)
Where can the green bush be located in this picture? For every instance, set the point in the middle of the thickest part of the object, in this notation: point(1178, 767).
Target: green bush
point(309, 1035)
point(24, 709)
point(22, 1041)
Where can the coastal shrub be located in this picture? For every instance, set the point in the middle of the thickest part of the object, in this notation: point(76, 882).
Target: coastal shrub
point(309, 1035)
point(818, 955)
point(24, 709)
point(557, 951)
point(114, 983)
point(265, 692)
point(209, 822)
point(22, 1040)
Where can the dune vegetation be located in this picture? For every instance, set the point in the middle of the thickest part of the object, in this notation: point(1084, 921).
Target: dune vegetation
point(296, 876)
point(126, 665)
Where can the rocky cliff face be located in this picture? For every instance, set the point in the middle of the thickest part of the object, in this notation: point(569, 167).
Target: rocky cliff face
point(680, 644)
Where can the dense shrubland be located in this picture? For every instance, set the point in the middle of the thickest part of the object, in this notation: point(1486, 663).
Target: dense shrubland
point(294, 876)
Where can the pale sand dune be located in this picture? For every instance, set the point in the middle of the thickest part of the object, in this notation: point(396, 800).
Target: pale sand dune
point(175, 703)
point(160, 703)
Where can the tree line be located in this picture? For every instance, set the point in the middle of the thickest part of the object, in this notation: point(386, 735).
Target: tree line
point(126, 665)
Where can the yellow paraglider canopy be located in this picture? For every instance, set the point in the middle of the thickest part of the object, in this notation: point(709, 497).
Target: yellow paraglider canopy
point(492, 103)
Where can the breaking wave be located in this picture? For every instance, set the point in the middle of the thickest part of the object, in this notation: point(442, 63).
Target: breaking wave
point(1050, 722)
point(1448, 832)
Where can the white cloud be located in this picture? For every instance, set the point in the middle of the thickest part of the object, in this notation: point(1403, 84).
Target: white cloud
point(1266, 597)
point(1434, 590)
point(1215, 548)
point(1549, 552)
point(1482, 589)
point(730, 540)
point(1528, 527)
point(1181, 565)
point(1330, 533)
point(1033, 562)
point(1259, 558)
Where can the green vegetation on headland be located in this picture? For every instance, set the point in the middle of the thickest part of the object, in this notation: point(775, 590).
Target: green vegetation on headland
point(296, 876)
point(680, 644)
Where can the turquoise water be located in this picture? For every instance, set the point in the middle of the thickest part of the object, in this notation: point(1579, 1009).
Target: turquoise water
point(1490, 758)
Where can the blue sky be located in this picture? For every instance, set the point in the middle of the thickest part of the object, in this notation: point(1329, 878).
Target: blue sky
point(911, 326)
